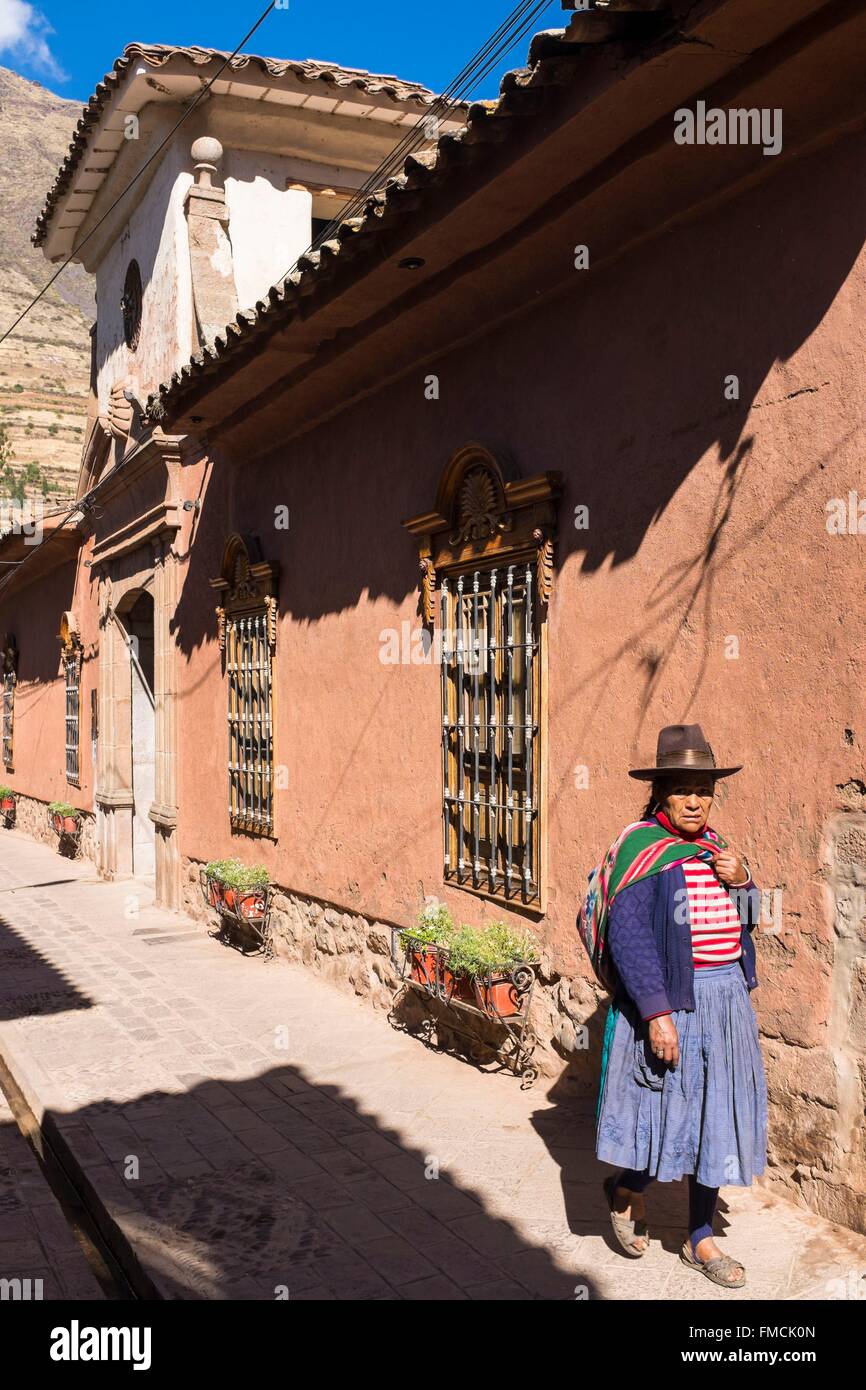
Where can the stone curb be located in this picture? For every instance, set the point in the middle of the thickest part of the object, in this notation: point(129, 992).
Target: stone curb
point(139, 1279)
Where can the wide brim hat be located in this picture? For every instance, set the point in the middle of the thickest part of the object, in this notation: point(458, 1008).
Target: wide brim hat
point(682, 748)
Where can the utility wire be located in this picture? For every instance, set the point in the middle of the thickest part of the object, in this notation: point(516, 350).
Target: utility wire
point(510, 31)
point(134, 180)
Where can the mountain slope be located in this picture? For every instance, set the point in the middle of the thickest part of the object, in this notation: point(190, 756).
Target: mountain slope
point(45, 364)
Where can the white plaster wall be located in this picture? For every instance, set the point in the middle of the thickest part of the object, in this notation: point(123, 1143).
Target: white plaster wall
point(155, 236)
point(269, 224)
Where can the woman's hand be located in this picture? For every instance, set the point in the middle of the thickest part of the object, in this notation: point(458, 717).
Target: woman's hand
point(664, 1040)
point(730, 869)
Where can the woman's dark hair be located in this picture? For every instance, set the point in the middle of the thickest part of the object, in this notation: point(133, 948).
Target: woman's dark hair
point(657, 792)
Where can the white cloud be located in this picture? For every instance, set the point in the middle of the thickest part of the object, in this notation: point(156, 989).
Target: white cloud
point(23, 33)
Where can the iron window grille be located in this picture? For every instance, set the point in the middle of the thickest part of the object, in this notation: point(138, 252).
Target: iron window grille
point(491, 763)
point(250, 722)
point(8, 716)
point(72, 673)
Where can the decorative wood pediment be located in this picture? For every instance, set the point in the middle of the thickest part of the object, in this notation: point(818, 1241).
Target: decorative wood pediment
point(246, 583)
point(485, 511)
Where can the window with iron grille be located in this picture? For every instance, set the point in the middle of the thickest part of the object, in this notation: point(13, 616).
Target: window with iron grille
point(72, 675)
point(491, 700)
point(486, 550)
point(8, 716)
point(250, 722)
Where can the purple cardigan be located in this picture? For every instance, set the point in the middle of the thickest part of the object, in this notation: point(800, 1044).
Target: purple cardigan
point(650, 939)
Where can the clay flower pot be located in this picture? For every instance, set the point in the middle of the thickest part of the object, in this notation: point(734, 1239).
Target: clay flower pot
point(213, 894)
point(496, 996)
point(65, 825)
point(457, 986)
point(7, 805)
point(422, 965)
point(248, 903)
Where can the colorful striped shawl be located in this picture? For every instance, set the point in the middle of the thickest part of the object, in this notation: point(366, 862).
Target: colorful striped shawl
point(643, 848)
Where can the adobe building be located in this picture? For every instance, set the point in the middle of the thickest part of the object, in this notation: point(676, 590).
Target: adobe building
point(555, 439)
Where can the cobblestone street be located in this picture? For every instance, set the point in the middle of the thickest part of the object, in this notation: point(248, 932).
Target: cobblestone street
point(244, 1130)
point(37, 1247)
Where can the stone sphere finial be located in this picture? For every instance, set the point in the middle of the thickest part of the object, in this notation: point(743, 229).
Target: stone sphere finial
point(207, 153)
point(206, 150)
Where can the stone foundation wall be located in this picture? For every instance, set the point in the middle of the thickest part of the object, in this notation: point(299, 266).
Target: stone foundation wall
point(817, 1093)
point(354, 952)
point(31, 817)
point(821, 1097)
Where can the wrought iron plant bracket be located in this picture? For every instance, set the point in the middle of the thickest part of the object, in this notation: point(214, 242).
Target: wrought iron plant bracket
point(424, 969)
point(260, 925)
point(72, 837)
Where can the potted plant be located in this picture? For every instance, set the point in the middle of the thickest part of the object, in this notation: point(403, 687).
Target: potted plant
point(483, 960)
point(7, 801)
point(64, 817)
point(212, 883)
point(496, 984)
point(435, 929)
point(240, 888)
point(245, 887)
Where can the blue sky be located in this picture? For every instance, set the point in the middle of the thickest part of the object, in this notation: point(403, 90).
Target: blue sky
point(69, 46)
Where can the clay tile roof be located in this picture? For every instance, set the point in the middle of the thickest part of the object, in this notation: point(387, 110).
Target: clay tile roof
point(554, 59)
point(157, 55)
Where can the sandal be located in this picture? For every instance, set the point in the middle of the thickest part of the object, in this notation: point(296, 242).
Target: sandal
point(718, 1270)
point(624, 1228)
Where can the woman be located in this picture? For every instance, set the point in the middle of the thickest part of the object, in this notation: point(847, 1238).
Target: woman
point(683, 1090)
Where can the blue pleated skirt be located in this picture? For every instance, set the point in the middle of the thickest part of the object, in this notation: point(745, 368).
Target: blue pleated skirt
point(708, 1116)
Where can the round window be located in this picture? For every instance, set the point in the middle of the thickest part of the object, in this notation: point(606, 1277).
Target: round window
point(131, 305)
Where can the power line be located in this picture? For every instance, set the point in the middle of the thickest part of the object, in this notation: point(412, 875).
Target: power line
point(511, 29)
point(509, 32)
point(133, 181)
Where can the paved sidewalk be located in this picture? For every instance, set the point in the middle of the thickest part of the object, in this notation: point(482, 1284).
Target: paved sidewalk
point(251, 1132)
point(39, 1256)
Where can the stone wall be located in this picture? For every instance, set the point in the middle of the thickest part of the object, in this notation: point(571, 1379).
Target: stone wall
point(31, 817)
point(829, 1085)
point(816, 1093)
point(353, 952)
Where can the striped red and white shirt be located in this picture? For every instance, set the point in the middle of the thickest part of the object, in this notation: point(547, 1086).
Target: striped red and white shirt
point(714, 918)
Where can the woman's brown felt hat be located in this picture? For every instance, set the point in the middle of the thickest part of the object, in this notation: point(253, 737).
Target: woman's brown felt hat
point(682, 748)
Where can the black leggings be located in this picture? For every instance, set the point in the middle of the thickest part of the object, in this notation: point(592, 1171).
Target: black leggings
point(702, 1201)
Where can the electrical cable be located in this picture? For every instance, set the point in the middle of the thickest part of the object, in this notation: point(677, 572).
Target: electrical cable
point(134, 180)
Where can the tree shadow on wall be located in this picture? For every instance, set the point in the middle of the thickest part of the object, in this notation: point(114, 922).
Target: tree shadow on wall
point(627, 415)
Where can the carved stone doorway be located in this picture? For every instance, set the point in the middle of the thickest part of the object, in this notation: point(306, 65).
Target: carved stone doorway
point(136, 619)
point(135, 792)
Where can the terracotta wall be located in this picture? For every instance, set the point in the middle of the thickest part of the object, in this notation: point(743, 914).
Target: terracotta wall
point(33, 614)
point(707, 523)
point(707, 537)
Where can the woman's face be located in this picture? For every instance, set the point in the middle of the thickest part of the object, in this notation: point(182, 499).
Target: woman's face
point(686, 801)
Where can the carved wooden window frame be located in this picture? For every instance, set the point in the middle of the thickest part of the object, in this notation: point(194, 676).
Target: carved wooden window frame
point(72, 652)
point(10, 680)
point(247, 635)
point(486, 563)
